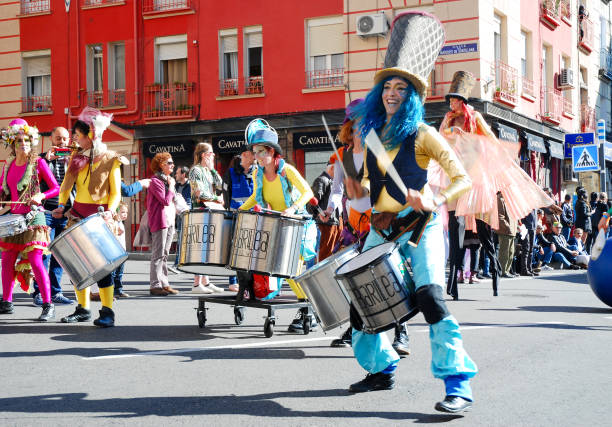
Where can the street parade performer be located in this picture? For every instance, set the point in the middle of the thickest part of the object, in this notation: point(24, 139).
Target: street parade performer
point(357, 211)
point(394, 109)
point(21, 177)
point(95, 170)
point(278, 186)
point(491, 166)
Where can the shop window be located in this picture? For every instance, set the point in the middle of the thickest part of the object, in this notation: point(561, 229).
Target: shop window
point(325, 53)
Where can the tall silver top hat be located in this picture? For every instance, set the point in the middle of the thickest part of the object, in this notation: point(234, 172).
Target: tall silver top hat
point(416, 40)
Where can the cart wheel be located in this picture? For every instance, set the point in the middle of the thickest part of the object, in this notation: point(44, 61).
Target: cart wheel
point(201, 318)
point(238, 315)
point(306, 324)
point(269, 328)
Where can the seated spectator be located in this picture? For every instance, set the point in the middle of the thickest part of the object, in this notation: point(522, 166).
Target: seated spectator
point(560, 252)
point(575, 242)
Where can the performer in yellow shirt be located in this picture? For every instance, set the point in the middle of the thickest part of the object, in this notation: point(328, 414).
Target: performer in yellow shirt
point(276, 185)
point(95, 171)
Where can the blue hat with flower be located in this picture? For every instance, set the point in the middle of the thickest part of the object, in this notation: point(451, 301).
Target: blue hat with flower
point(259, 132)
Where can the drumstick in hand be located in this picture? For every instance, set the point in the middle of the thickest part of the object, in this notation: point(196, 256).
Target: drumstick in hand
point(374, 144)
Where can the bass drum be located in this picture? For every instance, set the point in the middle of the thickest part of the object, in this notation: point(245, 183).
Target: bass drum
point(88, 251)
point(327, 296)
point(267, 243)
point(204, 242)
point(12, 225)
point(380, 287)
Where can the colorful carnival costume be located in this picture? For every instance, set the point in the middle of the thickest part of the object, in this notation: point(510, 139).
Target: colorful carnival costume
point(288, 192)
point(400, 87)
point(21, 183)
point(96, 174)
point(491, 165)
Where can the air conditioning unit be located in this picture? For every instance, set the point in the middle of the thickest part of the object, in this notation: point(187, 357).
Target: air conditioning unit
point(568, 172)
point(372, 25)
point(566, 79)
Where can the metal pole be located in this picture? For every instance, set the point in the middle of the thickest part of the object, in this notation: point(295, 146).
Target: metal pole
point(601, 136)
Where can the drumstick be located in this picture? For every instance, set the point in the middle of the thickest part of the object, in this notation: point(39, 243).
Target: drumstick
point(374, 144)
point(331, 140)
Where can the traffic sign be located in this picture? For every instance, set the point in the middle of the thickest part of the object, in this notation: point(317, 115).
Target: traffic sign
point(572, 139)
point(585, 158)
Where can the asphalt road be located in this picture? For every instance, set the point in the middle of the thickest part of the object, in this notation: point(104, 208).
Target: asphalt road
point(542, 348)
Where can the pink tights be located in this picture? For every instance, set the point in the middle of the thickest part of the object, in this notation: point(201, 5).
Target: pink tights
point(40, 274)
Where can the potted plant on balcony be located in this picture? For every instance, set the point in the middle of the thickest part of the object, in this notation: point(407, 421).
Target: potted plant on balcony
point(550, 13)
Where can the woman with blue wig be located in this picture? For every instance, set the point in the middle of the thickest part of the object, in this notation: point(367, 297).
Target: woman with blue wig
point(277, 186)
point(394, 109)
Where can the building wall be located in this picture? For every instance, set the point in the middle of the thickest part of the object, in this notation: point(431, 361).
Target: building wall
point(10, 62)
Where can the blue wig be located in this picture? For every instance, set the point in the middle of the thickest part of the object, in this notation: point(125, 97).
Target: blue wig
point(372, 115)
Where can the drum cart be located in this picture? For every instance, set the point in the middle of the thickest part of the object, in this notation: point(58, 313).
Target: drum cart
point(279, 303)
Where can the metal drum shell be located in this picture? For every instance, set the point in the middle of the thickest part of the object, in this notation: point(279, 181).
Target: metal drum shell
point(327, 296)
point(12, 225)
point(267, 243)
point(205, 241)
point(88, 251)
point(381, 292)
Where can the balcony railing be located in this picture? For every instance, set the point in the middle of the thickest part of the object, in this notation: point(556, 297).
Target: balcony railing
point(35, 104)
point(552, 105)
point(95, 99)
point(587, 118)
point(605, 64)
point(586, 35)
point(528, 89)
point(565, 11)
point(116, 97)
point(325, 78)
point(253, 85)
point(108, 98)
point(549, 13)
point(92, 3)
point(165, 5)
point(568, 108)
point(29, 7)
point(168, 101)
point(228, 87)
point(506, 83)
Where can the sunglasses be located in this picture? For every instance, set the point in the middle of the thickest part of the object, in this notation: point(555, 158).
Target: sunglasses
point(260, 153)
point(170, 162)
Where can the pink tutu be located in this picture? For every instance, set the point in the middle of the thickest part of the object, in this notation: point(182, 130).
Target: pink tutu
point(491, 166)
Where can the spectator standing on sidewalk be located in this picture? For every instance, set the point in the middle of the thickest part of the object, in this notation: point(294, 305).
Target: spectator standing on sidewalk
point(530, 223)
point(583, 213)
point(505, 233)
point(567, 217)
point(57, 165)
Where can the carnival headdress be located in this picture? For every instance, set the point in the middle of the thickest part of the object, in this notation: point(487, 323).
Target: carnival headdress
point(415, 42)
point(98, 122)
point(461, 86)
point(258, 131)
point(19, 127)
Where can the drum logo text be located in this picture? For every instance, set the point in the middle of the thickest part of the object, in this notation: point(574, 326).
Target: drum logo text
point(378, 291)
point(203, 234)
point(253, 240)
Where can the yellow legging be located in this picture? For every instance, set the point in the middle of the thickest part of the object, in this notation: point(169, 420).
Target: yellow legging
point(295, 286)
point(106, 296)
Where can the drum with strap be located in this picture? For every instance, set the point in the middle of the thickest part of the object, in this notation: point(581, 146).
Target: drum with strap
point(380, 287)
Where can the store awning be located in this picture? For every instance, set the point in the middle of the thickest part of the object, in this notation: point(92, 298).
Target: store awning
point(535, 143)
point(556, 149)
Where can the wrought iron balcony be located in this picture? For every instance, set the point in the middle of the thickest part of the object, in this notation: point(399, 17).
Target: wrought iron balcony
point(528, 90)
point(552, 105)
point(587, 118)
point(568, 108)
point(325, 78)
point(93, 3)
point(30, 7)
point(169, 101)
point(36, 104)
point(549, 13)
point(585, 35)
point(506, 84)
point(228, 87)
point(107, 98)
point(605, 64)
point(253, 85)
point(165, 5)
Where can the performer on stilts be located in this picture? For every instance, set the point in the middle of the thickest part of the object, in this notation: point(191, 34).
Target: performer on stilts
point(21, 177)
point(357, 211)
point(492, 168)
point(95, 170)
point(278, 186)
point(394, 109)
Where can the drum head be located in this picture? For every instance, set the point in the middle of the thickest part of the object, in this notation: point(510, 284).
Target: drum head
point(366, 258)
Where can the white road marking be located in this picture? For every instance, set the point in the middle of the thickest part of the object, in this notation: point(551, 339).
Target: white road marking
point(608, 317)
point(295, 341)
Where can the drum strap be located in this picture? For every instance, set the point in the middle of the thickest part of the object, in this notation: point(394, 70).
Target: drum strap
point(414, 221)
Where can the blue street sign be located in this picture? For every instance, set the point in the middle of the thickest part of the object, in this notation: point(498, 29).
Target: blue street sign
point(585, 158)
point(459, 48)
point(577, 139)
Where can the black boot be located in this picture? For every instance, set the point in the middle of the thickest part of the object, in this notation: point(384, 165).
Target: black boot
point(372, 382)
point(344, 340)
point(453, 404)
point(48, 312)
point(80, 315)
point(6, 307)
point(106, 319)
point(401, 344)
point(297, 325)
